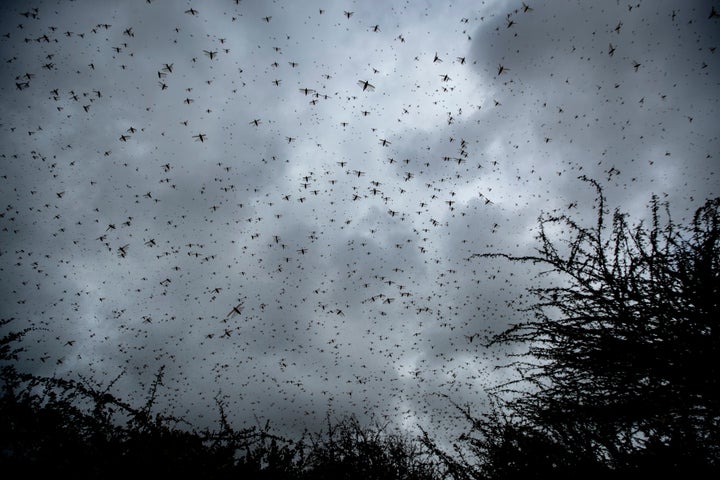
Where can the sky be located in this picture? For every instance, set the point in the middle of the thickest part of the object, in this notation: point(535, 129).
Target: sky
point(279, 203)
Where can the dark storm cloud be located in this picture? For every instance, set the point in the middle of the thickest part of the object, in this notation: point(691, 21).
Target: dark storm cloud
point(563, 85)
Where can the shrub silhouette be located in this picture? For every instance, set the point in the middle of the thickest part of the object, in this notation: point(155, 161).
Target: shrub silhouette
point(620, 371)
point(62, 427)
point(349, 450)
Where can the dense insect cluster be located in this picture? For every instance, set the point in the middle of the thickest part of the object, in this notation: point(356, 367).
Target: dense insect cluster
point(283, 203)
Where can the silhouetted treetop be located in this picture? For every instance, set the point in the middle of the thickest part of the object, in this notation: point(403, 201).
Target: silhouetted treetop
point(622, 345)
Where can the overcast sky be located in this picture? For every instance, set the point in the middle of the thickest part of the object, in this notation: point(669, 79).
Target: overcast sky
point(276, 201)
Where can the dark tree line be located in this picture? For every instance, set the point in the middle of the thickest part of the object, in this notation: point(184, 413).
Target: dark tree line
point(619, 376)
point(52, 426)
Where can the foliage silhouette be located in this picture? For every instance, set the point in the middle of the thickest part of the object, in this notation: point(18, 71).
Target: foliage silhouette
point(64, 427)
point(620, 371)
point(349, 450)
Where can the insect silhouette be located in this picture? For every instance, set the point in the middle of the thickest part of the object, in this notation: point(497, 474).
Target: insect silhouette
point(366, 85)
point(236, 310)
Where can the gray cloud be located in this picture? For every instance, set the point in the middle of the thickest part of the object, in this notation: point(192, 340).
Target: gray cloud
point(350, 259)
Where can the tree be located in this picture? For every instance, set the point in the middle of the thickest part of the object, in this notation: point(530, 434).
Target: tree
point(620, 371)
